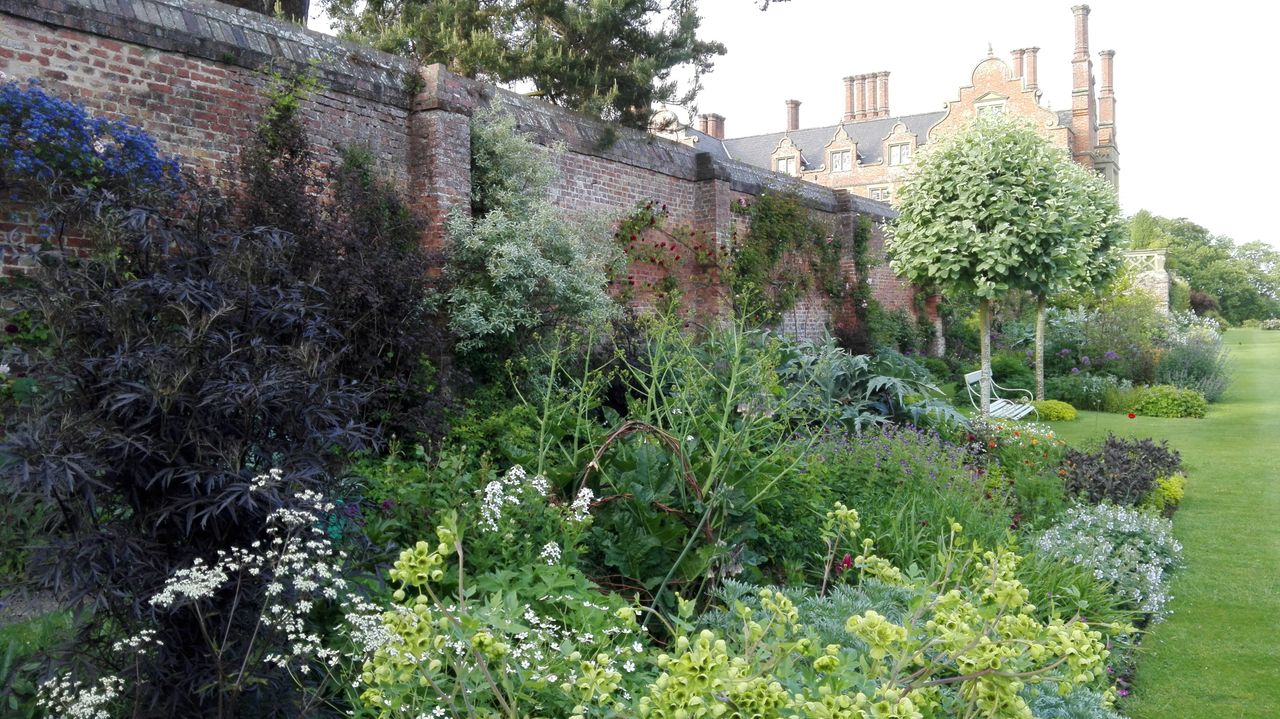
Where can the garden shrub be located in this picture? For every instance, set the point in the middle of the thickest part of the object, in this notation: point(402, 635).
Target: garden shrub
point(1167, 494)
point(1195, 359)
point(1133, 550)
point(1122, 398)
point(1084, 391)
point(1052, 410)
point(522, 265)
point(1251, 324)
point(910, 482)
point(1122, 471)
point(1271, 324)
point(1021, 461)
point(362, 248)
point(1011, 370)
point(1168, 401)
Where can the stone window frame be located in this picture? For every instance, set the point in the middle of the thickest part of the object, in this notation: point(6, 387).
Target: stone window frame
point(792, 160)
point(906, 147)
point(848, 164)
point(884, 191)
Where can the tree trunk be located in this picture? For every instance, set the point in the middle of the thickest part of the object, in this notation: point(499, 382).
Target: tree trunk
point(984, 341)
point(1040, 348)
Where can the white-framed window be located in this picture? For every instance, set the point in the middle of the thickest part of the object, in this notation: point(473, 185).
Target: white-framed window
point(880, 193)
point(900, 154)
point(990, 107)
point(841, 161)
point(787, 165)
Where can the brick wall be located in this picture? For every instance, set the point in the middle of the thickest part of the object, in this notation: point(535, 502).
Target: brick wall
point(191, 72)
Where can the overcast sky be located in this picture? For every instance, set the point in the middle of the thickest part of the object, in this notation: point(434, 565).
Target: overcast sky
point(1195, 84)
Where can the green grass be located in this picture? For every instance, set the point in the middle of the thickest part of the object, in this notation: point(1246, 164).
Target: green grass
point(1219, 655)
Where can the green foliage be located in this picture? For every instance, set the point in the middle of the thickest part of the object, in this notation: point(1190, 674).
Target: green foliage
point(1195, 359)
point(1243, 279)
point(1179, 295)
point(991, 209)
point(784, 254)
point(894, 330)
point(619, 60)
point(1052, 410)
point(1164, 400)
point(521, 266)
point(1091, 391)
point(23, 644)
point(1167, 494)
point(909, 482)
point(1011, 370)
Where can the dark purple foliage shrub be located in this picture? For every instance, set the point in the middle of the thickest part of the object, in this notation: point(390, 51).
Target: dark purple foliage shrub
point(1123, 471)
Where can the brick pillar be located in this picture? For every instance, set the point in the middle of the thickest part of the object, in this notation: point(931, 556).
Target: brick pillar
point(1084, 117)
point(848, 99)
point(440, 150)
point(714, 222)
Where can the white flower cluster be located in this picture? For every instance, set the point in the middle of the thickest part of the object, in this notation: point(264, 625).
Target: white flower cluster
point(62, 698)
point(199, 581)
point(139, 644)
point(550, 553)
point(509, 490)
point(581, 506)
point(262, 481)
point(1131, 549)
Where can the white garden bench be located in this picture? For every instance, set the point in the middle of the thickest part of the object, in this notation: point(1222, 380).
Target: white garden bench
point(1003, 407)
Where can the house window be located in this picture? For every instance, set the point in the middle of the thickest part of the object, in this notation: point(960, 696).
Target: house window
point(841, 161)
point(899, 154)
point(990, 107)
point(787, 165)
point(879, 193)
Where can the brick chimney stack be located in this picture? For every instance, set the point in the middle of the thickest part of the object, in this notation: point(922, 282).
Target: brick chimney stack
point(1084, 115)
point(873, 96)
point(793, 115)
point(1031, 71)
point(883, 77)
point(1107, 100)
point(860, 110)
point(848, 99)
point(702, 123)
point(1017, 64)
point(715, 125)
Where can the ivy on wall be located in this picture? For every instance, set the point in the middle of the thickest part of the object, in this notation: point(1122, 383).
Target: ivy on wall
point(646, 240)
point(784, 254)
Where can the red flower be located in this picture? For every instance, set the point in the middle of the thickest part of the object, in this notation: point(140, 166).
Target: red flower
point(845, 564)
point(1132, 415)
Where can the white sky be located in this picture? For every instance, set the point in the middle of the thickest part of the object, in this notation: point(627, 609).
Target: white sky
point(1195, 83)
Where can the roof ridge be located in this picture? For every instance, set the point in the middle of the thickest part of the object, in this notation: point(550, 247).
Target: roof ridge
point(832, 127)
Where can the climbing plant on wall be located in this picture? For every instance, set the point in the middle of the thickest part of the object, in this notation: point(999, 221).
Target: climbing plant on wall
point(783, 255)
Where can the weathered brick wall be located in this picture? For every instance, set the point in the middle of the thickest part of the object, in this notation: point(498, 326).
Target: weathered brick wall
point(193, 74)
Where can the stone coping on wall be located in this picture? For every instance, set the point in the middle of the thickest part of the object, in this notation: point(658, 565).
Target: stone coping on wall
point(230, 36)
point(234, 36)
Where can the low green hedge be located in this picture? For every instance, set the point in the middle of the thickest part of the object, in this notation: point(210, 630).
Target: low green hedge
point(1052, 410)
point(1164, 400)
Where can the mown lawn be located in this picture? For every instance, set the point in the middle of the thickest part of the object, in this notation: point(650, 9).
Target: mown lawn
point(1219, 655)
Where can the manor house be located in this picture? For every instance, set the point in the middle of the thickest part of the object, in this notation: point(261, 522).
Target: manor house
point(869, 152)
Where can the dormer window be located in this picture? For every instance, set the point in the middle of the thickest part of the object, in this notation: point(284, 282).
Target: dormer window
point(841, 161)
point(900, 154)
point(786, 165)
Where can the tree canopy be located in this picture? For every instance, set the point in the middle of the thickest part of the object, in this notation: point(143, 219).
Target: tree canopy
point(996, 208)
point(1243, 280)
point(616, 59)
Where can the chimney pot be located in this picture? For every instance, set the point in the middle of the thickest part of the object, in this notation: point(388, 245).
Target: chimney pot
point(793, 115)
point(702, 123)
point(1031, 76)
point(1082, 31)
point(715, 126)
point(860, 110)
point(884, 92)
point(873, 95)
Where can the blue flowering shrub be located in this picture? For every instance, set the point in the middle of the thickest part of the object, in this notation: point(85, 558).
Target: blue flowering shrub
point(47, 139)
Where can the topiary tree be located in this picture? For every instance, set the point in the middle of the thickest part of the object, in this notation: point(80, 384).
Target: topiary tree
point(996, 208)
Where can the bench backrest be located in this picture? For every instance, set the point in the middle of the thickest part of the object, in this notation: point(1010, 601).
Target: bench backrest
point(973, 377)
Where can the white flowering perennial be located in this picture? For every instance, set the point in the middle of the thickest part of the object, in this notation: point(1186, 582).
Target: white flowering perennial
point(550, 553)
point(581, 506)
point(498, 494)
point(62, 698)
point(1131, 549)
